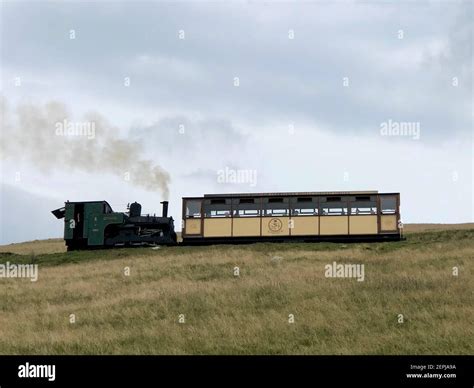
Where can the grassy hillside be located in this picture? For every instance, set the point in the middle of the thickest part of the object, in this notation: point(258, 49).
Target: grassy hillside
point(246, 314)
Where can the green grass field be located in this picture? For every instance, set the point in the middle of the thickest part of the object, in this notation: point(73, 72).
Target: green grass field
point(246, 314)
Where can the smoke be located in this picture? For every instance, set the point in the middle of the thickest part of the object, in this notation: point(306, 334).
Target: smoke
point(49, 138)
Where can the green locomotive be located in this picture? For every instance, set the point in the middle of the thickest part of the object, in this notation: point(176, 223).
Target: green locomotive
point(94, 224)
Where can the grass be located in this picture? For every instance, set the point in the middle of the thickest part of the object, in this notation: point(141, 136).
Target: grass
point(225, 314)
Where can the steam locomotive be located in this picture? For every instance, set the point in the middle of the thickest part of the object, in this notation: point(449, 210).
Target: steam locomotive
point(94, 224)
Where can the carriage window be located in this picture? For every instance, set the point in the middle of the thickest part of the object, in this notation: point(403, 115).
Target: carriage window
point(193, 209)
point(246, 207)
point(276, 206)
point(304, 206)
point(388, 204)
point(217, 208)
point(363, 207)
point(333, 206)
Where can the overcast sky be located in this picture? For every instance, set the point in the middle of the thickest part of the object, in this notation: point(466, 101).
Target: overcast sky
point(299, 96)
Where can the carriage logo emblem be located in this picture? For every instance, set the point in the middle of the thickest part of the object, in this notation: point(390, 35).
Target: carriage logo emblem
point(275, 225)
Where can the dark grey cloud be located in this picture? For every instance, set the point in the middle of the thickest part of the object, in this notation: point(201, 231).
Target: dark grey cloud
point(281, 80)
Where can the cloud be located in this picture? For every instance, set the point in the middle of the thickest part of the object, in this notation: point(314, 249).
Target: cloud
point(192, 137)
point(281, 79)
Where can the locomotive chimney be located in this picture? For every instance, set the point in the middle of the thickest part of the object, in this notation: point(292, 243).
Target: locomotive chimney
point(165, 208)
point(135, 209)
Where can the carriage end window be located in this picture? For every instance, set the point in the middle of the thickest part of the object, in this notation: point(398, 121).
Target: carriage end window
point(193, 209)
point(388, 204)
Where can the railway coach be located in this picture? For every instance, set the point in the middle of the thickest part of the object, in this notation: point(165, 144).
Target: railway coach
point(297, 216)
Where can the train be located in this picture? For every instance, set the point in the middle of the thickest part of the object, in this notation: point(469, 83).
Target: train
point(337, 216)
